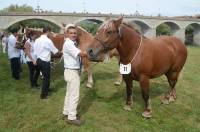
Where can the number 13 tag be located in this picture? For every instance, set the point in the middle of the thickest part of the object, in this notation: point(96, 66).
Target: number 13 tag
point(125, 69)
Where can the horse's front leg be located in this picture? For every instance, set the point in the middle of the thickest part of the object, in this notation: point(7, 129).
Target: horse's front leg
point(128, 80)
point(86, 64)
point(119, 80)
point(90, 81)
point(144, 84)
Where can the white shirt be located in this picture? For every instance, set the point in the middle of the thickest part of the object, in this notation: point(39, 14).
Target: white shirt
point(43, 47)
point(70, 55)
point(31, 50)
point(12, 51)
point(4, 40)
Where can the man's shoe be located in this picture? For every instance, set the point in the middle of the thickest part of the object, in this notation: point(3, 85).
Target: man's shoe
point(65, 117)
point(36, 85)
point(43, 97)
point(77, 122)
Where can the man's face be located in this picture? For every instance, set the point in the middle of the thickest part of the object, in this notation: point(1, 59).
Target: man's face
point(72, 34)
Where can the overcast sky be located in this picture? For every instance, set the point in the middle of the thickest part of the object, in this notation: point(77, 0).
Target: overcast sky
point(144, 7)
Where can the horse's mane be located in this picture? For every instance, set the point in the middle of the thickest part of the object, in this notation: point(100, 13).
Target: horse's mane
point(82, 29)
point(128, 25)
point(132, 27)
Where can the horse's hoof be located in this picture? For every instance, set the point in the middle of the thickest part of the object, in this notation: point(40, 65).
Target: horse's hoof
point(165, 101)
point(146, 114)
point(172, 99)
point(127, 108)
point(117, 83)
point(89, 85)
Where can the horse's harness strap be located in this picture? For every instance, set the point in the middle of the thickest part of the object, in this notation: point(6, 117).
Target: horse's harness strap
point(105, 47)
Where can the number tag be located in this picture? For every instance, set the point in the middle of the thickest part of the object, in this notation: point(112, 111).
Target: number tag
point(125, 69)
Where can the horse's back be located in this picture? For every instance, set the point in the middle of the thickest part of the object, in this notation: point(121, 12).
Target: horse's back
point(176, 48)
point(162, 54)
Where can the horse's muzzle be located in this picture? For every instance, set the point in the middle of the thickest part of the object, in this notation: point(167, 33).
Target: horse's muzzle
point(92, 56)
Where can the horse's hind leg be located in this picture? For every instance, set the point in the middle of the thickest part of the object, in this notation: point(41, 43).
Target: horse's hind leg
point(144, 84)
point(129, 101)
point(171, 95)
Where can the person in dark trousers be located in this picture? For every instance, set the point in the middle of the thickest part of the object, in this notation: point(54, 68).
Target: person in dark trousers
point(43, 48)
point(34, 71)
point(14, 55)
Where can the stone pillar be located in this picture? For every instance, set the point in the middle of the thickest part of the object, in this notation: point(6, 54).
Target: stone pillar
point(150, 33)
point(196, 38)
point(180, 33)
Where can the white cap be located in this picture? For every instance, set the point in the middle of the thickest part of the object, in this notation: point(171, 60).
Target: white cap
point(69, 25)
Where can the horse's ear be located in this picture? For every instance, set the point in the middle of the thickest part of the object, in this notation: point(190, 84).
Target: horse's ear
point(118, 21)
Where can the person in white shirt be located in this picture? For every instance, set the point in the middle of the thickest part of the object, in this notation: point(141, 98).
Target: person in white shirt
point(34, 71)
point(71, 55)
point(43, 48)
point(14, 55)
point(4, 42)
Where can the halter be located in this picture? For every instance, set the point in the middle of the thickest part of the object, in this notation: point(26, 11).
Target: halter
point(105, 46)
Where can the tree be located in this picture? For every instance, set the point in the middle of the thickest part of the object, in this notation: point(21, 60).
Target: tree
point(189, 35)
point(17, 8)
point(163, 29)
point(91, 27)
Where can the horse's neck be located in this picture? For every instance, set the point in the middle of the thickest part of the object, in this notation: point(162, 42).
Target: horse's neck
point(130, 42)
point(84, 40)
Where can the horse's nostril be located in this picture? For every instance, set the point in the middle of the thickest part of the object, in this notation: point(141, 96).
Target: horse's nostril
point(91, 53)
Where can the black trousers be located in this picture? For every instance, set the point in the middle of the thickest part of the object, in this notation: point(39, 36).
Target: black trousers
point(44, 67)
point(34, 73)
point(15, 67)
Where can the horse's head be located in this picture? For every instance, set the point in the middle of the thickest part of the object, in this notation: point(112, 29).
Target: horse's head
point(86, 39)
point(106, 38)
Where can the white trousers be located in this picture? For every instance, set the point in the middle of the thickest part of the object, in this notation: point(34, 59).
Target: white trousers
point(72, 94)
point(4, 47)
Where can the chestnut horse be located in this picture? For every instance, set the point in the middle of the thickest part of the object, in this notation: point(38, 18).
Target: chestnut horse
point(148, 58)
point(84, 40)
point(58, 40)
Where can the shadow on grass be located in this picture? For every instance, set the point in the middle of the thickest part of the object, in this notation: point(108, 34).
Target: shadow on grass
point(87, 100)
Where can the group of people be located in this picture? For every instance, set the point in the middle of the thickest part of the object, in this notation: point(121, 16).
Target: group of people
point(38, 54)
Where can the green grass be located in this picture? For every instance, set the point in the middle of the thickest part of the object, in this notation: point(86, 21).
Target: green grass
point(21, 110)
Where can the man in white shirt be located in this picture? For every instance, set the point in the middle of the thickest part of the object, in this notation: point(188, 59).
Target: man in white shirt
point(43, 48)
point(34, 71)
point(14, 55)
point(72, 56)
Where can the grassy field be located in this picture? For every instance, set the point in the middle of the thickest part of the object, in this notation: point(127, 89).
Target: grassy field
point(21, 109)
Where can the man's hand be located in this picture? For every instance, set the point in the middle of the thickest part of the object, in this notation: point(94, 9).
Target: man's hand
point(34, 63)
point(83, 54)
point(57, 55)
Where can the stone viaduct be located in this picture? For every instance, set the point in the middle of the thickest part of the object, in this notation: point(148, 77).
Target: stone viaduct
point(146, 24)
